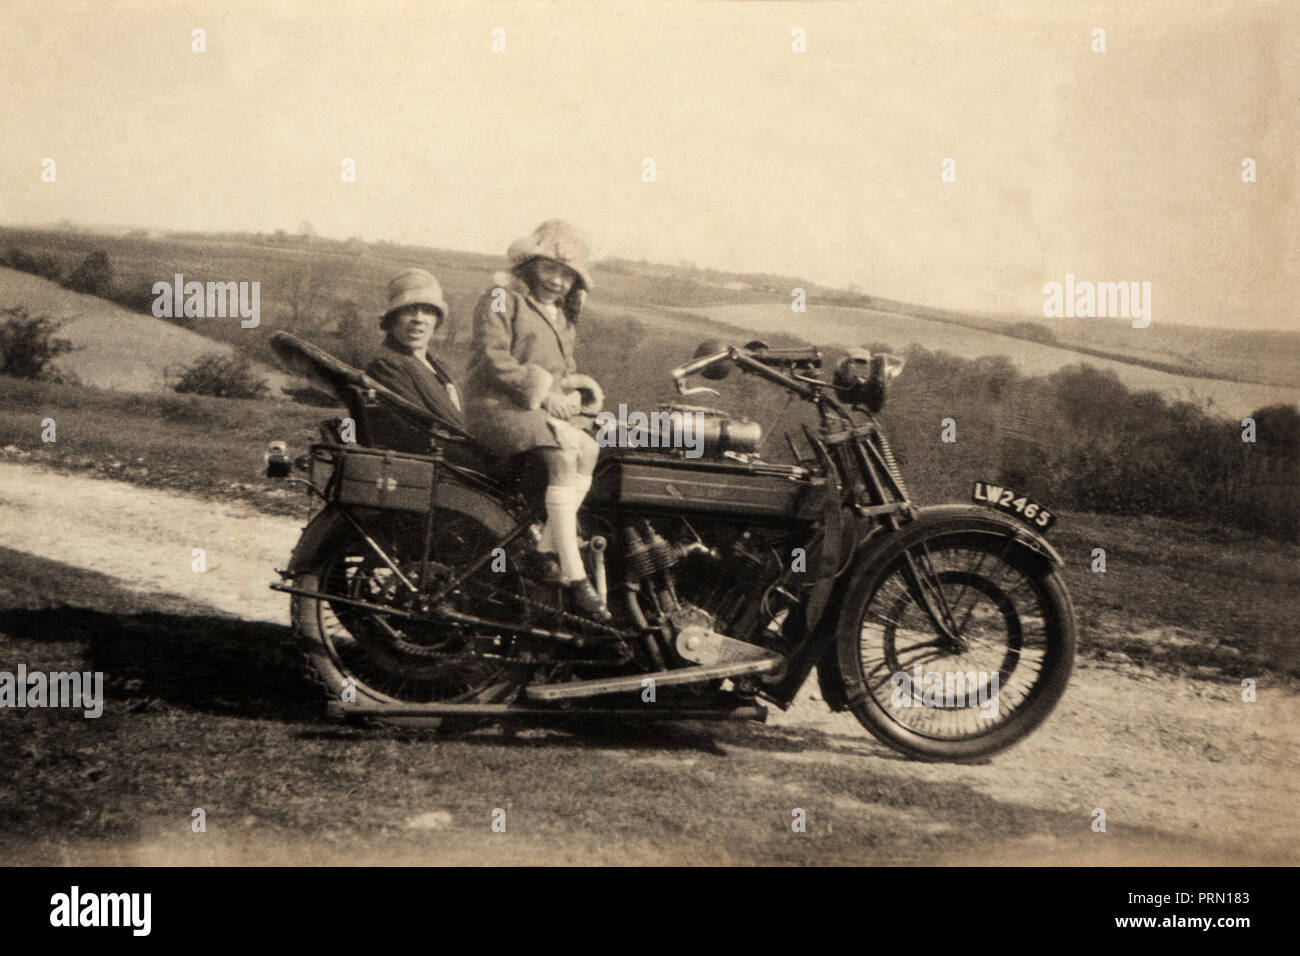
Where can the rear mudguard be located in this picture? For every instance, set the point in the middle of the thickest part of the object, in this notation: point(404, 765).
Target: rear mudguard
point(329, 522)
point(885, 545)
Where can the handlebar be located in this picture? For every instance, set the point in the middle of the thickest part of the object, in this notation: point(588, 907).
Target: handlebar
point(755, 357)
point(789, 368)
point(698, 364)
point(808, 358)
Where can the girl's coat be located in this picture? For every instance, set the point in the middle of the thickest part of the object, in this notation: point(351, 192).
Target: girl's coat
point(518, 358)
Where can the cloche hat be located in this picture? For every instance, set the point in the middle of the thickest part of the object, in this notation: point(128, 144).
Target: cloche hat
point(411, 287)
point(558, 240)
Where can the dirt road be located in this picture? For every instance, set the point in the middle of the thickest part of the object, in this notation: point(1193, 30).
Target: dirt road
point(1185, 771)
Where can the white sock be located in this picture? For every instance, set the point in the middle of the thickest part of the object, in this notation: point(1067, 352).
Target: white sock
point(562, 533)
point(582, 485)
point(546, 544)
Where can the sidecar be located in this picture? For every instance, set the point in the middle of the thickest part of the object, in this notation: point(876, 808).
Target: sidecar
point(384, 453)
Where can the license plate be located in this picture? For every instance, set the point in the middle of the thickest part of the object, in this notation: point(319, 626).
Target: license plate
point(1022, 506)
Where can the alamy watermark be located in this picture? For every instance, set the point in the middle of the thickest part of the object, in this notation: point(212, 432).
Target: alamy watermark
point(947, 689)
point(662, 429)
point(75, 908)
point(1086, 299)
point(56, 689)
point(212, 300)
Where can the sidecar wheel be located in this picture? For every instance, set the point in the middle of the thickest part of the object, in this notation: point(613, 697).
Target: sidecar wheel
point(916, 691)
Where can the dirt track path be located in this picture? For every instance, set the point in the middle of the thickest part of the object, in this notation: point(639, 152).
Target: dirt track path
point(1185, 771)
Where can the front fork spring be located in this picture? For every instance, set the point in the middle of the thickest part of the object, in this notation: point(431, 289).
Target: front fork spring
point(887, 453)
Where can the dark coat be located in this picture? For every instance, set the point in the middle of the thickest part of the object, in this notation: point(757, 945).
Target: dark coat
point(517, 359)
point(411, 379)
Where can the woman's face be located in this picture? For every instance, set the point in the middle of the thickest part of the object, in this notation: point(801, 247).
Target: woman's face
point(551, 280)
point(413, 325)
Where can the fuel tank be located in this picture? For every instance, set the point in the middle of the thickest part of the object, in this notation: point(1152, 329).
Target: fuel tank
point(650, 482)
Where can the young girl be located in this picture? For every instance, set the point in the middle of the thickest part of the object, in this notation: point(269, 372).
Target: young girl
point(523, 388)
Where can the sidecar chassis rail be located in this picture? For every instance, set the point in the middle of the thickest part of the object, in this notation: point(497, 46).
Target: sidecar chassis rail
point(756, 712)
point(436, 614)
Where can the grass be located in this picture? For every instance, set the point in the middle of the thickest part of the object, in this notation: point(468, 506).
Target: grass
point(1184, 598)
point(212, 446)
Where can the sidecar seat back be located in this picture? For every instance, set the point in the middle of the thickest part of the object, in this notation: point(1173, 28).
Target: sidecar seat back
point(384, 419)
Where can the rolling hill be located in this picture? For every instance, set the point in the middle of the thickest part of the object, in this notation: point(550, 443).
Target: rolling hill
point(116, 348)
point(831, 325)
point(308, 283)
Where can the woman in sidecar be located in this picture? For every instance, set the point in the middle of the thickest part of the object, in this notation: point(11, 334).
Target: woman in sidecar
point(416, 309)
point(524, 392)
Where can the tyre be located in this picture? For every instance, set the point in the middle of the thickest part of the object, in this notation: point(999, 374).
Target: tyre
point(976, 688)
point(370, 657)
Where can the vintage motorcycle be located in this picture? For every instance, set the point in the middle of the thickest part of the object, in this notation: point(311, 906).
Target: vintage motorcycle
point(946, 631)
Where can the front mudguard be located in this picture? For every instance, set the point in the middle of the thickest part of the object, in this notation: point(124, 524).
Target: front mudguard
point(885, 545)
point(946, 518)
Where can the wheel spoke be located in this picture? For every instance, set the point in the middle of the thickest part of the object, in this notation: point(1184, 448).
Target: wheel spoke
point(409, 659)
point(1001, 616)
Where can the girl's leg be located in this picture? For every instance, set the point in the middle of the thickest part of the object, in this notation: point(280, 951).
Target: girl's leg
point(561, 466)
point(588, 451)
point(561, 532)
point(570, 477)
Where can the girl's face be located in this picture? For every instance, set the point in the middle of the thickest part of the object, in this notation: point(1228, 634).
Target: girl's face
point(550, 281)
point(413, 325)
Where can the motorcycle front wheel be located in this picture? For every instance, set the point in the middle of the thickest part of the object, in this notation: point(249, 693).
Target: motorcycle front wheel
point(974, 685)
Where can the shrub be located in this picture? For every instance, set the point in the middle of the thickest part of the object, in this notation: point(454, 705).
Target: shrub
point(1278, 427)
point(190, 411)
point(1079, 439)
point(356, 339)
point(94, 276)
point(28, 348)
point(47, 267)
point(673, 290)
point(1031, 332)
point(222, 376)
point(139, 298)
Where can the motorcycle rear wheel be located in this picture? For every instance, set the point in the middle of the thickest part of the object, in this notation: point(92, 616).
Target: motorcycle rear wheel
point(916, 691)
point(373, 658)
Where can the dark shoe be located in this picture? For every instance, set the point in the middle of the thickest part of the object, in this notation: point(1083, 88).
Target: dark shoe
point(541, 566)
point(584, 599)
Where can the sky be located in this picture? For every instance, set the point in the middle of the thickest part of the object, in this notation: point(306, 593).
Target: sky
point(825, 164)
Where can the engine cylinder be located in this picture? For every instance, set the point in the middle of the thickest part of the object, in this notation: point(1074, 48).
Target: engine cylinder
point(638, 560)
